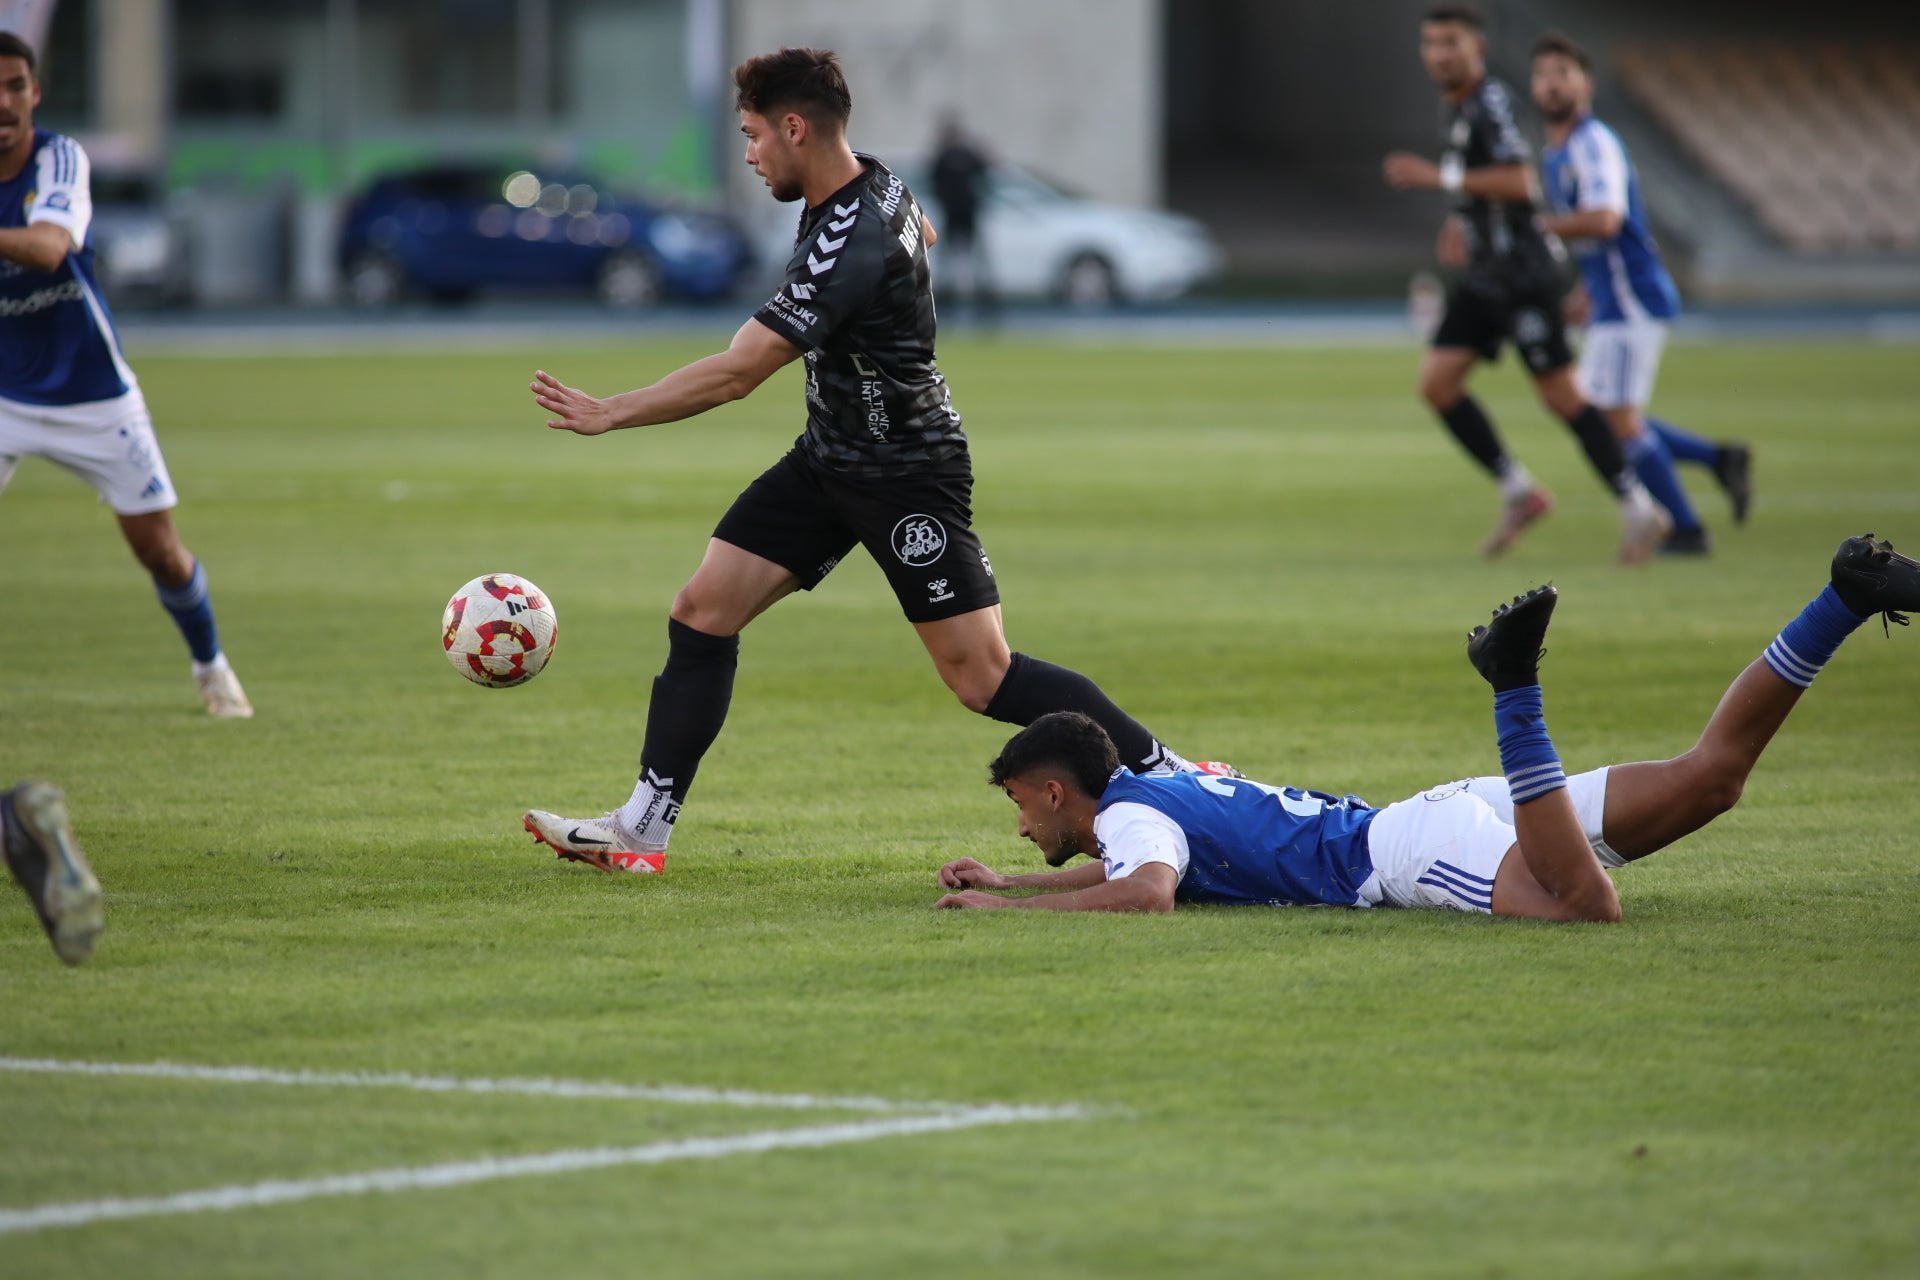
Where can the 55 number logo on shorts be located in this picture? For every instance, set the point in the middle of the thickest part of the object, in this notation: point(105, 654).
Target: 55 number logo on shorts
point(919, 540)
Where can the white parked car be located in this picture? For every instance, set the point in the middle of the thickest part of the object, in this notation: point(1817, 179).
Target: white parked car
point(1043, 243)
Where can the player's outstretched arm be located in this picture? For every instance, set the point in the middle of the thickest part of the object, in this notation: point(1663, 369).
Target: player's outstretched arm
point(965, 873)
point(1148, 889)
point(39, 246)
point(755, 355)
point(1584, 224)
point(1405, 171)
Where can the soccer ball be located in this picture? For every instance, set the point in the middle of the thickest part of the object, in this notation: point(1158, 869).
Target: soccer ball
point(499, 630)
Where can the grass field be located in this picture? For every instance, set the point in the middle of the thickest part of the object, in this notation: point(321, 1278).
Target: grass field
point(1266, 555)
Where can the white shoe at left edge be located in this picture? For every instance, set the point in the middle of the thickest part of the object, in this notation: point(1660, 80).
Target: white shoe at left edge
point(598, 842)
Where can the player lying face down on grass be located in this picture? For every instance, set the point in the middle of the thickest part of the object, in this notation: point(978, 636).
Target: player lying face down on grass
point(882, 463)
point(1533, 843)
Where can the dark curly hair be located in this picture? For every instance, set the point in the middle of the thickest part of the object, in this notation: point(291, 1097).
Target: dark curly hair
point(1464, 14)
point(1562, 44)
point(12, 46)
point(1064, 740)
point(807, 82)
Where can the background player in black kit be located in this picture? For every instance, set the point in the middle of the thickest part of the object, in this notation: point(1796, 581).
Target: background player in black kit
point(1509, 288)
point(882, 463)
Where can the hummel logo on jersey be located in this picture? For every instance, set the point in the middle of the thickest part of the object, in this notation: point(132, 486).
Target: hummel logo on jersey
point(937, 590)
point(803, 292)
point(849, 214)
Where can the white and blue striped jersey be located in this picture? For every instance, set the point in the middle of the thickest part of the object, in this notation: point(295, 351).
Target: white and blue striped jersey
point(1231, 840)
point(57, 342)
point(1624, 275)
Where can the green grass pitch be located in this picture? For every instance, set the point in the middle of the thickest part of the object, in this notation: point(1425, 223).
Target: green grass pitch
point(1268, 556)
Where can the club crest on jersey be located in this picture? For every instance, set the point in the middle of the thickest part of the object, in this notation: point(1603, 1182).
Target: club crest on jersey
point(919, 540)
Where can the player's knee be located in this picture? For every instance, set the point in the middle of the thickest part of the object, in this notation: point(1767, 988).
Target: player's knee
point(973, 681)
point(1598, 904)
point(694, 608)
point(1721, 794)
point(1439, 391)
point(974, 691)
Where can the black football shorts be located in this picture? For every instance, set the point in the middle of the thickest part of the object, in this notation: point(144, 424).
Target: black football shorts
point(918, 529)
point(1483, 312)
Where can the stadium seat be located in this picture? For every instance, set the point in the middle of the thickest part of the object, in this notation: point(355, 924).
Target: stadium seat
point(1821, 141)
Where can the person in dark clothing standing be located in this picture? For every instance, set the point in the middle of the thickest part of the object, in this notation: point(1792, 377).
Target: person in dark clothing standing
point(960, 183)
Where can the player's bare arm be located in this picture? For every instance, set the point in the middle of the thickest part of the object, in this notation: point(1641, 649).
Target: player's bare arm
point(755, 355)
point(1150, 889)
point(1584, 224)
point(41, 246)
point(1407, 171)
point(965, 873)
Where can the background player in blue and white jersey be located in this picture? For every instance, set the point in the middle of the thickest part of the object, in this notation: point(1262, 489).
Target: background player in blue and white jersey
point(1532, 843)
point(66, 393)
point(1625, 293)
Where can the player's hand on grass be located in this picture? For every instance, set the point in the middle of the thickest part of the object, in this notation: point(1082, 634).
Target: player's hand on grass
point(971, 899)
point(1405, 171)
point(965, 873)
point(573, 408)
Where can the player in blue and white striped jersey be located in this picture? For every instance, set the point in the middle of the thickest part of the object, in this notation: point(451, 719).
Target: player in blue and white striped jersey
point(1532, 842)
point(1625, 292)
point(66, 392)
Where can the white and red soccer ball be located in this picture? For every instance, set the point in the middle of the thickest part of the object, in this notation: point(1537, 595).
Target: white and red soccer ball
point(499, 630)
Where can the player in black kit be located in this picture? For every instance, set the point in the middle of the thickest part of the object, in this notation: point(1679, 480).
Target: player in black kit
point(882, 464)
point(1509, 288)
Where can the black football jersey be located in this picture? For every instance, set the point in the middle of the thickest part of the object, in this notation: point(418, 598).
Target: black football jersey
point(1480, 132)
point(857, 299)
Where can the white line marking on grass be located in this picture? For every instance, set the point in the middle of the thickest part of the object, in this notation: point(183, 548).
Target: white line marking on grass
point(490, 1168)
point(685, 1094)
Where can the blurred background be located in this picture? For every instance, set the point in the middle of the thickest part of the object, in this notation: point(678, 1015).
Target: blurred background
point(345, 154)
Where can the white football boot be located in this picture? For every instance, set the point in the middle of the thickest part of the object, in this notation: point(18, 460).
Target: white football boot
point(1643, 526)
point(598, 842)
point(220, 690)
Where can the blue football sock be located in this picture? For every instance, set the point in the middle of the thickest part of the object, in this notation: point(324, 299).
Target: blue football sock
point(1684, 445)
point(1798, 653)
point(1654, 465)
point(192, 613)
point(1527, 754)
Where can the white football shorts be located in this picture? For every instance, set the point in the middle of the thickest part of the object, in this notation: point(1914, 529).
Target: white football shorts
point(1442, 848)
point(1619, 362)
point(107, 443)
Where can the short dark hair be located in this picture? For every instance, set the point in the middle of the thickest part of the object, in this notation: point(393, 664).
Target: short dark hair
point(1464, 14)
point(1559, 42)
point(807, 82)
point(1065, 740)
point(12, 46)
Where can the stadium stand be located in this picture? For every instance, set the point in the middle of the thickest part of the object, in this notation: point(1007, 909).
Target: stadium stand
point(1822, 142)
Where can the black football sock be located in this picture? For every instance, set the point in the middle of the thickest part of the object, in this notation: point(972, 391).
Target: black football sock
point(1033, 688)
point(1602, 450)
point(690, 699)
point(1474, 430)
